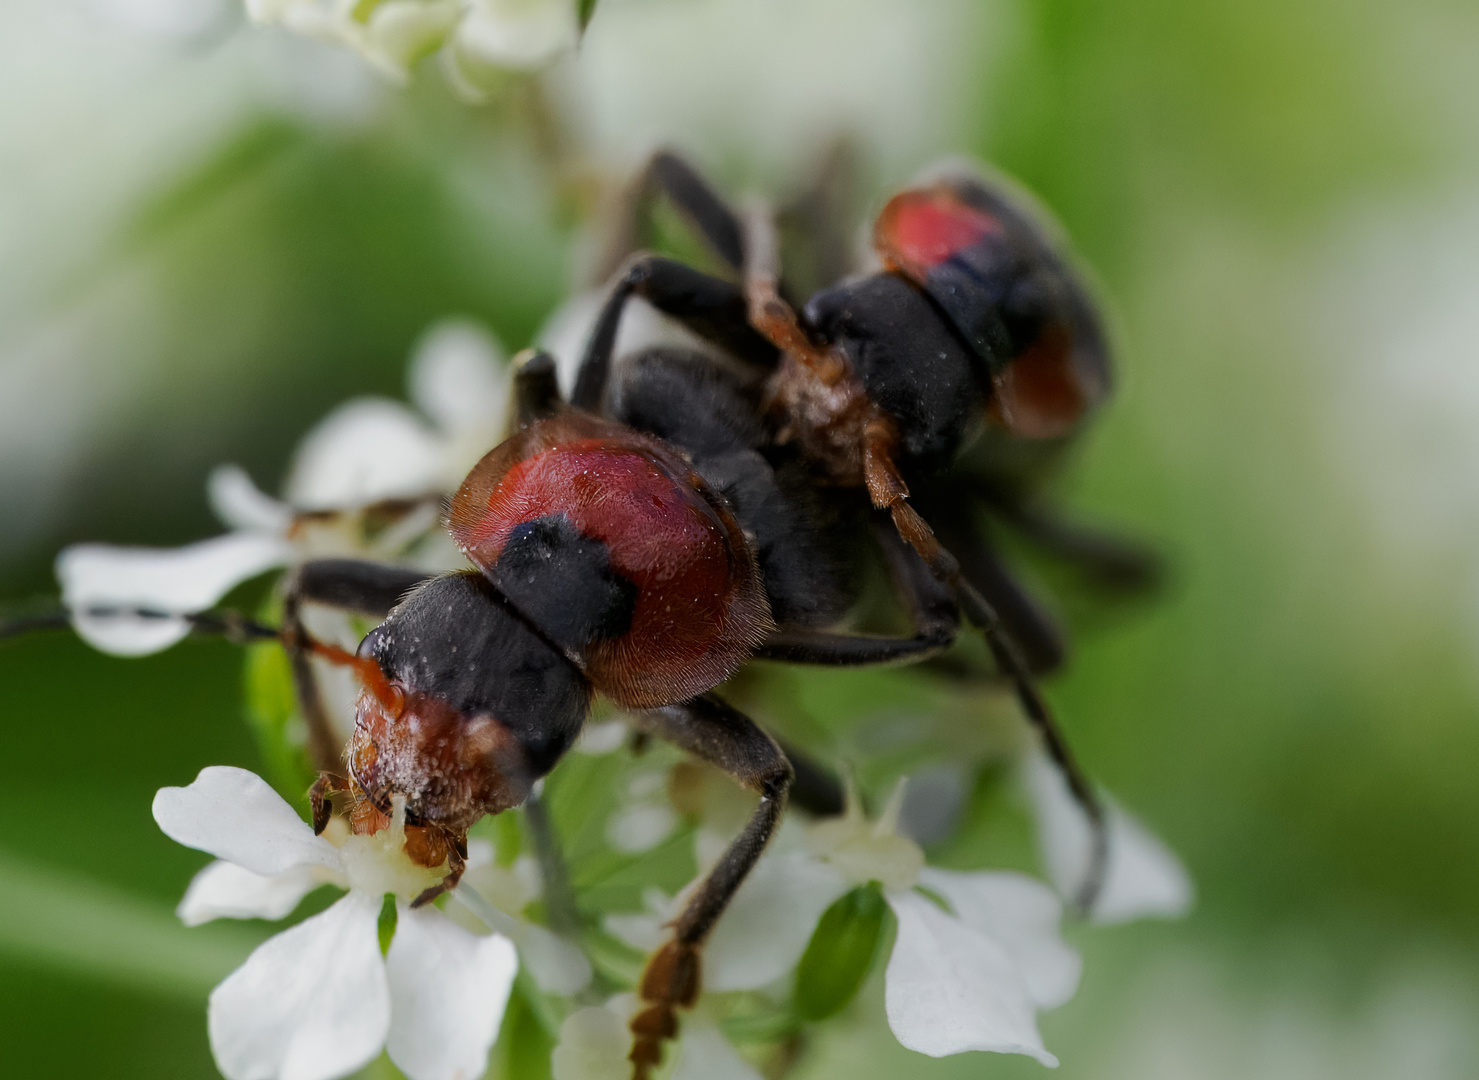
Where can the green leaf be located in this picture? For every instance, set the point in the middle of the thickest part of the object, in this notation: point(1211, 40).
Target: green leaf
point(508, 838)
point(385, 928)
point(64, 921)
point(585, 9)
point(272, 715)
point(840, 953)
point(524, 1042)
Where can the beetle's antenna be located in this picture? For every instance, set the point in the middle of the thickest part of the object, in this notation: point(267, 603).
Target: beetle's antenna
point(231, 625)
point(51, 620)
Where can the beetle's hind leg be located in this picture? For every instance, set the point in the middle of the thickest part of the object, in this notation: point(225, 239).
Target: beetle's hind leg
point(961, 526)
point(1110, 561)
point(721, 735)
point(668, 174)
point(889, 492)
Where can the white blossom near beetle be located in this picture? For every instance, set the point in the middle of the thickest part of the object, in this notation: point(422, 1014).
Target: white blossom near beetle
point(368, 455)
point(319, 1001)
point(976, 955)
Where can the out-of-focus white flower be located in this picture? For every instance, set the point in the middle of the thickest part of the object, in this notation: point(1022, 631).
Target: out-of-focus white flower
point(480, 40)
point(594, 1043)
point(366, 451)
point(498, 895)
point(1142, 879)
point(318, 1000)
point(646, 818)
point(172, 20)
point(970, 975)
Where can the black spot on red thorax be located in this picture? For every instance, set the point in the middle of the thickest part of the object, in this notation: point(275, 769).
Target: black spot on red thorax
point(563, 581)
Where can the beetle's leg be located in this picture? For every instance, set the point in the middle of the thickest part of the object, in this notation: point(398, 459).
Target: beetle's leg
point(959, 523)
point(721, 735)
point(1113, 562)
point(355, 585)
point(668, 174)
point(456, 867)
point(889, 492)
point(929, 604)
point(318, 798)
point(536, 391)
point(711, 307)
point(818, 223)
point(367, 588)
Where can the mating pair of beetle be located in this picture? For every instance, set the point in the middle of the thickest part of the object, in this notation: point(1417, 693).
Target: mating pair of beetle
point(684, 513)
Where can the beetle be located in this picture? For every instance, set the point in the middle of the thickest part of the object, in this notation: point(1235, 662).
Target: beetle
point(963, 365)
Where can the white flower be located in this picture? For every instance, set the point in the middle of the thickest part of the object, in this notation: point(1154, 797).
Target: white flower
point(968, 978)
point(594, 1043)
point(646, 818)
point(367, 450)
point(318, 1000)
point(497, 896)
point(479, 39)
point(1142, 878)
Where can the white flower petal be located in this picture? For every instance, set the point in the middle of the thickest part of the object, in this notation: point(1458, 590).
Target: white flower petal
point(241, 505)
point(520, 34)
point(645, 930)
point(705, 1054)
point(168, 580)
point(948, 989)
point(235, 815)
point(448, 990)
point(1021, 915)
point(635, 829)
point(594, 1043)
point(767, 926)
point(1144, 878)
point(555, 965)
point(223, 890)
point(459, 377)
point(401, 32)
point(308, 1004)
point(364, 451)
point(604, 738)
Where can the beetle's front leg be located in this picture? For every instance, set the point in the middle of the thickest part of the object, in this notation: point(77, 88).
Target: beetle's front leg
point(456, 867)
point(367, 588)
point(318, 799)
point(721, 735)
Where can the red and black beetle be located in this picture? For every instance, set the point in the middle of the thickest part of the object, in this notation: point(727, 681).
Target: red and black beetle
point(976, 323)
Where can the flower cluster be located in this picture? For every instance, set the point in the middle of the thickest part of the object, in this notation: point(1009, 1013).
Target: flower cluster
point(976, 955)
point(479, 41)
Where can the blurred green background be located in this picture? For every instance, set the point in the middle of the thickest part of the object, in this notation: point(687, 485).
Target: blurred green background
point(209, 239)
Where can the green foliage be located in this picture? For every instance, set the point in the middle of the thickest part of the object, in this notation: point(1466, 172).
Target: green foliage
point(385, 927)
point(272, 715)
point(508, 837)
point(524, 1040)
point(841, 952)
